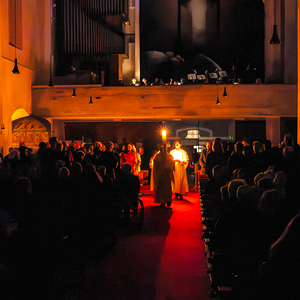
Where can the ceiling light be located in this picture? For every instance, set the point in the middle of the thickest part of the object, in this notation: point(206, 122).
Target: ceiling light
point(275, 39)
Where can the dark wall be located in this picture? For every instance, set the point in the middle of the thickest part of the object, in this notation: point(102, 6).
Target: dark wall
point(288, 125)
point(234, 35)
point(250, 131)
point(146, 133)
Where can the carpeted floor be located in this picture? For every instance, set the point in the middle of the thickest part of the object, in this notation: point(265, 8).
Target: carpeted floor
point(163, 261)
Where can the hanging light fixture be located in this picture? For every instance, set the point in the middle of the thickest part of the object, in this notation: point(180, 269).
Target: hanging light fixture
point(275, 39)
point(236, 81)
point(74, 93)
point(225, 92)
point(218, 99)
point(16, 69)
point(91, 101)
point(51, 43)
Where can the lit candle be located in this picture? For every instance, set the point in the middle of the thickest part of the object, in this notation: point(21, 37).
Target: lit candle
point(164, 139)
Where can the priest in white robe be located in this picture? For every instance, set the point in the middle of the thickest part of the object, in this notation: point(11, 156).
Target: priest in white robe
point(181, 159)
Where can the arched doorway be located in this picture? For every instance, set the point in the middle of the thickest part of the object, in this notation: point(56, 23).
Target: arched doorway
point(31, 130)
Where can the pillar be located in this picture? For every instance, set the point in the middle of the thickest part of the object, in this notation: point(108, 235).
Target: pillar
point(298, 33)
point(273, 129)
point(137, 40)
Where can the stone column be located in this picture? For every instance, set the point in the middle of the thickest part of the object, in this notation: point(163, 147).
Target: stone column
point(273, 129)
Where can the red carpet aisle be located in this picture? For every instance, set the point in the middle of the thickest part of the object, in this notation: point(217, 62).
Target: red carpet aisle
point(163, 261)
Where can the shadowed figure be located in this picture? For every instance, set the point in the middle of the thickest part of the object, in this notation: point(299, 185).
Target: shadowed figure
point(163, 175)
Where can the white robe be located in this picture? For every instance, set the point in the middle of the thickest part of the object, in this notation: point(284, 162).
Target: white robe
point(181, 185)
point(151, 167)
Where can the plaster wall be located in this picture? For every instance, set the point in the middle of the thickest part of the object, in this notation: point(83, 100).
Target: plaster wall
point(279, 65)
point(33, 62)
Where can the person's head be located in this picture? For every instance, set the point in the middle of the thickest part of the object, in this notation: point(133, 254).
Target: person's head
point(53, 142)
point(270, 202)
point(65, 145)
point(42, 146)
point(177, 144)
point(208, 146)
point(129, 147)
point(98, 145)
point(141, 150)
point(247, 150)
point(280, 179)
point(224, 146)
point(110, 146)
point(14, 154)
point(162, 149)
point(257, 147)
point(217, 145)
point(233, 186)
point(76, 169)
point(265, 183)
point(248, 194)
point(287, 151)
point(23, 186)
point(59, 146)
point(267, 145)
point(258, 177)
point(88, 148)
point(63, 173)
point(24, 151)
point(126, 168)
point(288, 140)
point(58, 165)
point(238, 148)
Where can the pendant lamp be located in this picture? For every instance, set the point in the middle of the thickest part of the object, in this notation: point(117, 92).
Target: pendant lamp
point(16, 69)
point(275, 39)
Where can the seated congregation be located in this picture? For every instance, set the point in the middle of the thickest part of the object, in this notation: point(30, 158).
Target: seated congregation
point(250, 213)
point(61, 207)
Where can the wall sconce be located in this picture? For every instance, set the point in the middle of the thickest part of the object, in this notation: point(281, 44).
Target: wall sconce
point(91, 101)
point(74, 93)
point(2, 126)
point(275, 39)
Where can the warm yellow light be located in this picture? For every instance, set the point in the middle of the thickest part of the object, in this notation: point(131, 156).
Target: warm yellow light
point(19, 113)
point(164, 133)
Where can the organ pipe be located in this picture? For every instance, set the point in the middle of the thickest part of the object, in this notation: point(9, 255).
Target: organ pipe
point(93, 28)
